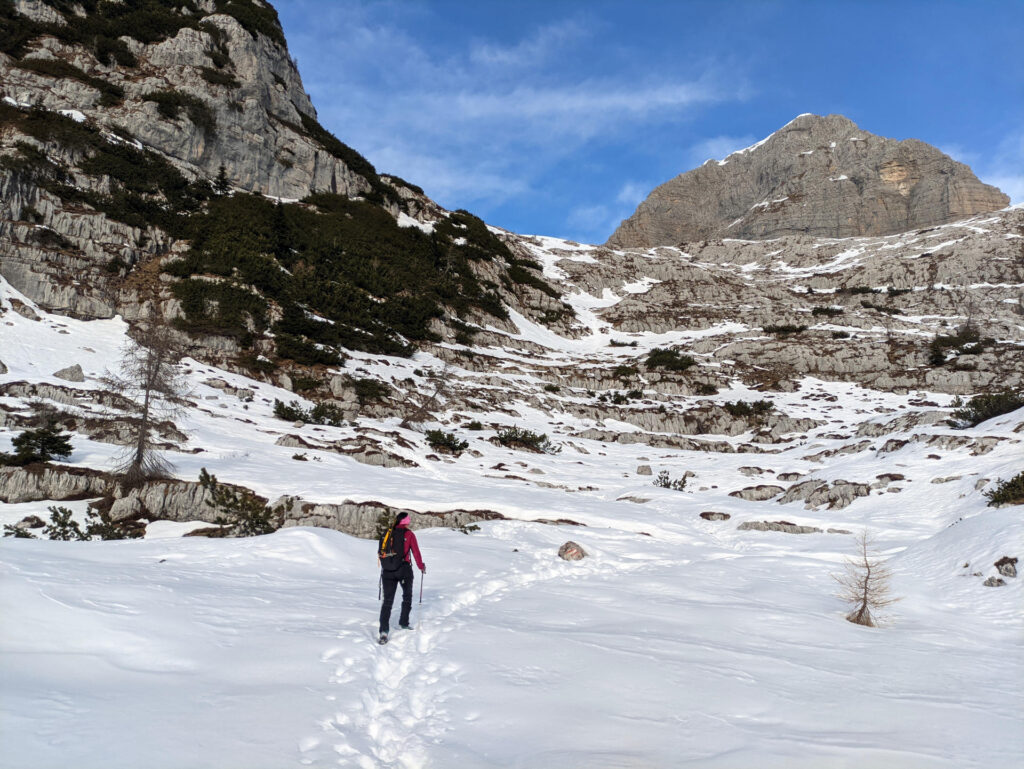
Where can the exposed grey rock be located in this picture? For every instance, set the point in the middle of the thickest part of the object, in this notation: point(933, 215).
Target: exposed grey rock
point(820, 176)
point(31, 522)
point(751, 471)
point(994, 582)
point(71, 374)
point(360, 519)
point(570, 551)
point(3, 368)
point(757, 493)
point(710, 515)
point(789, 476)
point(817, 494)
point(783, 526)
point(40, 482)
point(947, 479)
point(644, 470)
point(1007, 566)
point(364, 450)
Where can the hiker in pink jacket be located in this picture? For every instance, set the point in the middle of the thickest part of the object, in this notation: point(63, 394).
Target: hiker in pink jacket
point(393, 553)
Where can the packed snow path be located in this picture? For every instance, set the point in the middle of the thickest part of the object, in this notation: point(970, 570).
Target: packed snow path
point(402, 710)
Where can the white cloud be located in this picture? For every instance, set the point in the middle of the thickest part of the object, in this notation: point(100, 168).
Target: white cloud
point(479, 123)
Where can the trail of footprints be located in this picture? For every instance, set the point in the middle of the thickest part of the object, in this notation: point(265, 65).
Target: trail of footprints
point(390, 701)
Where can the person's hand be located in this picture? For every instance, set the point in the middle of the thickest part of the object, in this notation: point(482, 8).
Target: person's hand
point(423, 568)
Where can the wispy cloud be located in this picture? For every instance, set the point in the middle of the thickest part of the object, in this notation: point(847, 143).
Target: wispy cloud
point(477, 121)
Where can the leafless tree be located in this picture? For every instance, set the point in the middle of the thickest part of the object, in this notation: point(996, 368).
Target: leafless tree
point(420, 408)
point(865, 583)
point(149, 378)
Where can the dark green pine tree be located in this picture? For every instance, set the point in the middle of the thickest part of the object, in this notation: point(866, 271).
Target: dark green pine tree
point(221, 185)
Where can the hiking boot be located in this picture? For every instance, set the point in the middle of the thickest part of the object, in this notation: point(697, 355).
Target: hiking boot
point(383, 639)
point(405, 627)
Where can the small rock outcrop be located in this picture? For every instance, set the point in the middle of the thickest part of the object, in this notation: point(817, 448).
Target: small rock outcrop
point(570, 551)
point(757, 493)
point(783, 526)
point(71, 374)
point(711, 515)
point(1007, 566)
point(994, 582)
point(819, 176)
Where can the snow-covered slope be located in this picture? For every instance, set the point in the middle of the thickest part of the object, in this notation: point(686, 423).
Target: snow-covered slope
point(678, 640)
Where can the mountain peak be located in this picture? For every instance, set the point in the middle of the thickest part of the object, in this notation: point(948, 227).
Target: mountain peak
point(817, 175)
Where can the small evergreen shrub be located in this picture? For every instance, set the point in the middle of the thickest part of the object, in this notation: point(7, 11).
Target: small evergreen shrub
point(39, 445)
point(551, 388)
point(840, 334)
point(625, 372)
point(171, 103)
point(706, 389)
point(241, 510)
point(967, 341)
point(664, 481)
point(619, 343)
point(302, 383)
point(446, 442)
point(784, 329)
point(474, 425)
point(368, 390)
point(1009, 492)
point(670, 360)
point(749, 409)
point(519, 438)
point(62, 527)
point(828, 311)
point(983, 407)
point(219, 77)
point(320, 414)
point(110, 94)
point(881, 308)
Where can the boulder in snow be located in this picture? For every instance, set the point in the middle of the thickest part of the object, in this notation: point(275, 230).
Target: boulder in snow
point(711, 515)
point(1007, 566)
point(994, 582)
point(644, 470)
point(757, 493)
point(570, 551)
point(71, 374)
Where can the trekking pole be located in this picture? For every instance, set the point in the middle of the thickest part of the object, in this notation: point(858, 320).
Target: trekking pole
point(380, 585)
point(422, 575)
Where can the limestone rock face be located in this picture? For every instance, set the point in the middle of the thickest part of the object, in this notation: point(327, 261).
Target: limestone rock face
point(819, 176)
point(256, 131)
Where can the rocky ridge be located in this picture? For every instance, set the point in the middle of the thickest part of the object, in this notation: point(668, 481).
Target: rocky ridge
point(817, 176)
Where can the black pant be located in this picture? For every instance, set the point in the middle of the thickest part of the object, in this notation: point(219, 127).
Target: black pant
point(391, 581)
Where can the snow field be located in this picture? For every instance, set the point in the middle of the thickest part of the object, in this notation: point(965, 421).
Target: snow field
point(678, 641)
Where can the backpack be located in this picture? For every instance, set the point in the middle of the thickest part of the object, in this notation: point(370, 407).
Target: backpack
point(391, 550)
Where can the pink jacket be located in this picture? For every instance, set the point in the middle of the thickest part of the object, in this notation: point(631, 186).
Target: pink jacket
point(411, 544)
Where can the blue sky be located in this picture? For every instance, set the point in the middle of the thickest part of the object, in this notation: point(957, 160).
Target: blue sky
point(557, 118)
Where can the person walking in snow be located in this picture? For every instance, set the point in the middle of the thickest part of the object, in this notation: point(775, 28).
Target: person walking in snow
point(393, 553)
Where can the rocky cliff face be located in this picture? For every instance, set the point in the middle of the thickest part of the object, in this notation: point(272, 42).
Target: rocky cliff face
point(243, 104)
point(818, 176)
